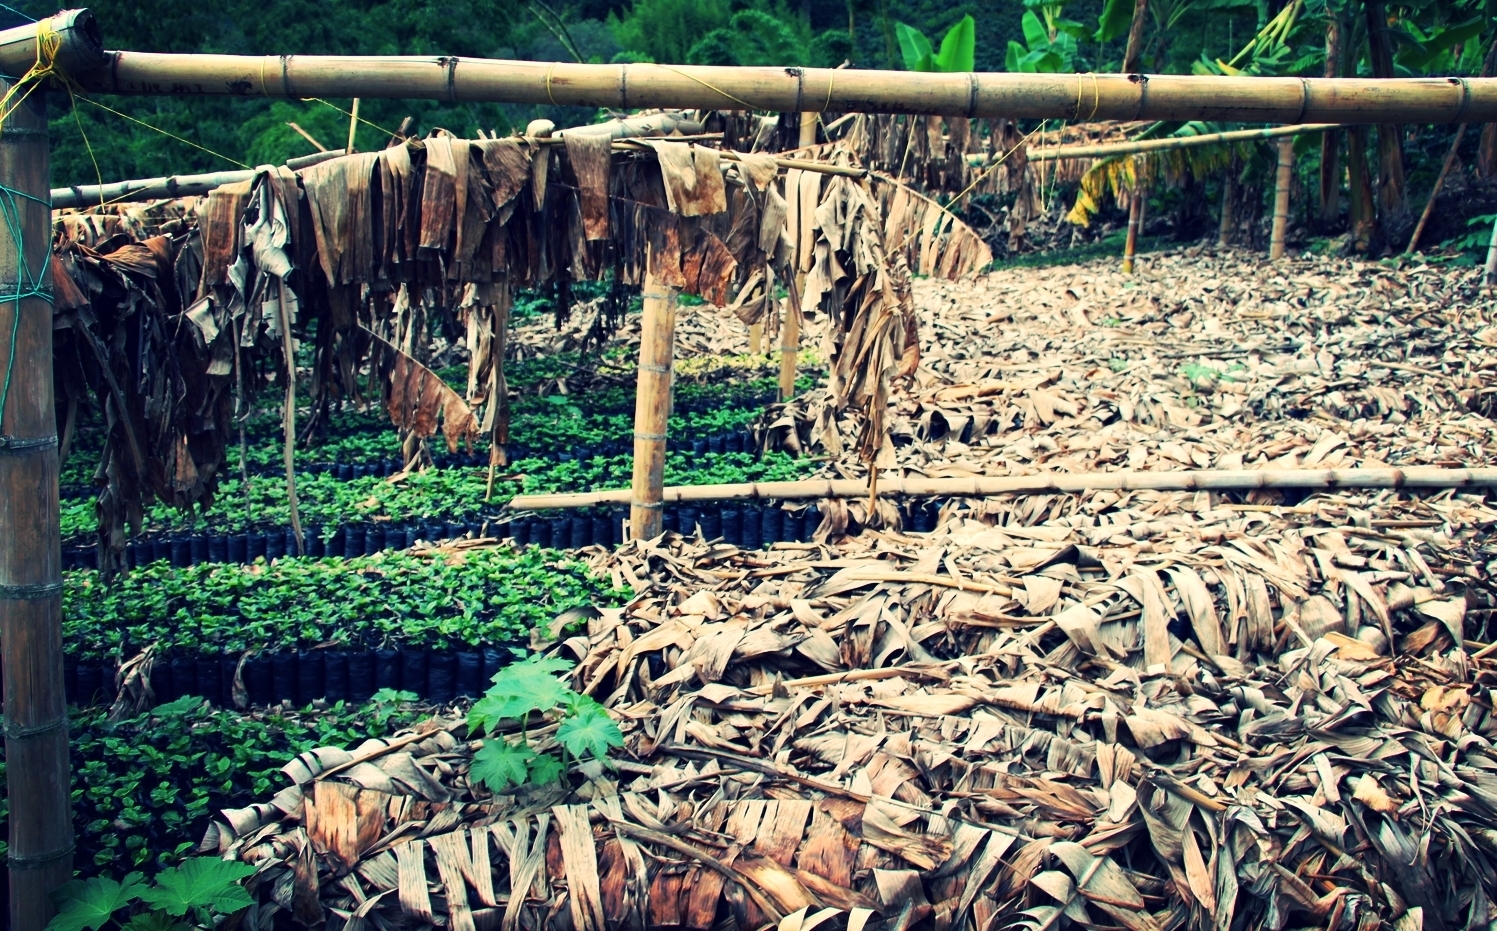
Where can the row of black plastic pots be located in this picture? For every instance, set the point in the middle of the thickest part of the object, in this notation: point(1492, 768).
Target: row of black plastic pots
point(748, 525)
point(302, 677)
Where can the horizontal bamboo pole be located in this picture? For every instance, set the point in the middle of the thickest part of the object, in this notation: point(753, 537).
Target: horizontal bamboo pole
point(1043, 483)
point(1106, 150)
point(80, 45)
point(91, 195)
point(636, 86)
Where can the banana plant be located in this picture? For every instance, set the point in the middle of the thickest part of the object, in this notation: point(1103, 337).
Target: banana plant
point(958, 48)
point(1049, 41)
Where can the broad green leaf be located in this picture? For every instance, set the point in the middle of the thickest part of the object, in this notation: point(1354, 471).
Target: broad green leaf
point(958, 47)
point(90, 903)
point(1117, 16)
point(499, 764)
point(1034, 32)
point(202, 882)
point(590, 732)
point(1015, 55)
point(154, 921)
point(519, 689)
point(545, 769)
point(914, 46)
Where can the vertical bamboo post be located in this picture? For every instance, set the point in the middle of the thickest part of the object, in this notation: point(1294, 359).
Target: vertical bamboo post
point(756, 338)
point(1135, 220)
point(1229, 213)
point(1282, 180)
point(652, 404)
point(353, 127)
point(36, 722)
point(1489, 277)
point(790, 332)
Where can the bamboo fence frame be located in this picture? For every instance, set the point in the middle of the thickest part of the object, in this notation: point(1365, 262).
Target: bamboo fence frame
point(652, 409)
point(637, 86)
point(90, 195)
point(36, 715)
point(1419, 477)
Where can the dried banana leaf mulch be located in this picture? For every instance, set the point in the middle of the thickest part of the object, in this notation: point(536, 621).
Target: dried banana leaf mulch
point(1014, 721)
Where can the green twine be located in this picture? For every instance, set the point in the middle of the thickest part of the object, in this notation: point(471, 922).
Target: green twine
point(28, 283)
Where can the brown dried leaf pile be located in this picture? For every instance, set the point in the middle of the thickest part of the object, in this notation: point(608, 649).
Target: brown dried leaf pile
point(1137, 710)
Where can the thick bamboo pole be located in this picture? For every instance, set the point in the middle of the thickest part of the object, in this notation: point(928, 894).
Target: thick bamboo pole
point(36, 722)
point(1042, 483)
point(1283, 178)
point(1171, 143)
point(89, 195)
point(638, 86)
point(80, 45)
point(652, 405)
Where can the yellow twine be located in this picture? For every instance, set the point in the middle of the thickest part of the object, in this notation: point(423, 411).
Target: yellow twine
point(350, 115)
point(1096, 94)
point(712, 87)
point(549, 95)
point(48, 43)
point(169, 135)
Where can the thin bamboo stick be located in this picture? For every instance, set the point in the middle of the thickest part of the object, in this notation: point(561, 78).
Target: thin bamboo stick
point(1170, 143)
point(639, 86)
point(1489, 275)
point(1042, 483)
point(1283, 178)
point(36, 721)
point(316, 143)
point(652, 402)
point(1135, 220)
point(1434, 192)
point(87, 195)
point(353, 127)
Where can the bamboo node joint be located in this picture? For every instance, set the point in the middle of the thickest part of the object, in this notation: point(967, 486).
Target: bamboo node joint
point(26, 444)
point(20, 733)
point(30, 592)
point(37, 861)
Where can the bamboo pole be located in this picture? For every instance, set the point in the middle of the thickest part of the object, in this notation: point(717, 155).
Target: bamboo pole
point(645, 85)
point(1043, 483)
point(353, 127)
point(1171, 143)
point(652, 403)
point(1228, 223)
point(1283, 178)
point(86, 195)
point(1489, 275)
point(1135, 220)
point(1434, 192)
point(36, 721)
point(80, 44)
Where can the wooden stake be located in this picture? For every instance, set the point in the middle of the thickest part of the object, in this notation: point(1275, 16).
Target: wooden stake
point(36, 719)
point(1282, 180)
point(892, 484)
point(790, 341)
point(652, 403)
point(756, 338)
point(288, 416)
point(353, 127)
point(1434, 192)
point(1135, 220)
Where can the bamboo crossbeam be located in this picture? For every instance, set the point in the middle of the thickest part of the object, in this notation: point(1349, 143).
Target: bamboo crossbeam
point(636, 86)
point(1169, 143)
point(1043, 483)
point(89, 195)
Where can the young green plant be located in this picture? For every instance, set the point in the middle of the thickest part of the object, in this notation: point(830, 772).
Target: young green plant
point(584, 731)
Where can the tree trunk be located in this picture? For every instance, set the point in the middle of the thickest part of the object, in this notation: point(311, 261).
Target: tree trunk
point(1363, 213)
point(1330, 142)
point(1135, 47)
point(1486, 153)
point(1392, 190)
